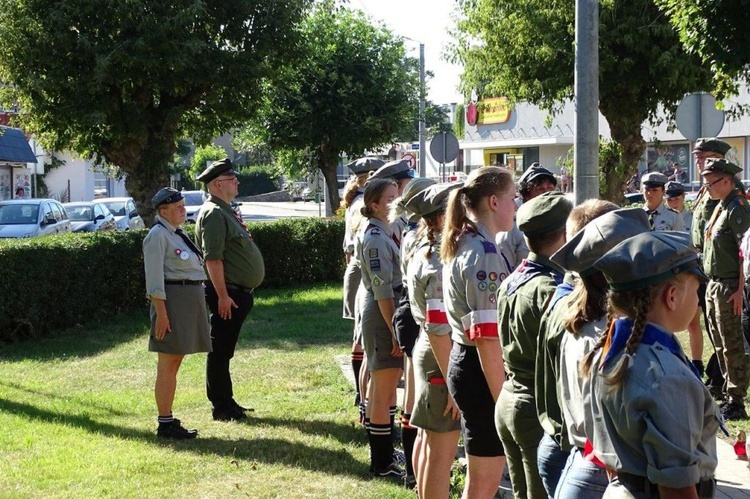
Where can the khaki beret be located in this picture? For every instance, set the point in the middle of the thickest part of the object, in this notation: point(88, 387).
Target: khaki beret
point(543, 213)
point(215, 169)
point(432, 199)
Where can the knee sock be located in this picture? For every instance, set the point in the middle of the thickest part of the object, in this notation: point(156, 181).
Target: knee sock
point(382, 447)
point(366, 422)
point(165, 419)
point(408, 436)
point(356, 365)
point(394, 432)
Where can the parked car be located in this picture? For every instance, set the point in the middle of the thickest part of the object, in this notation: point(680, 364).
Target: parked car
point(124, 212)
point(90, 217)
point(32, 218)
point(193, 202)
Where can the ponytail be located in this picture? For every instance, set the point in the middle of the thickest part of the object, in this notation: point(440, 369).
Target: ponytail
point(455, 221)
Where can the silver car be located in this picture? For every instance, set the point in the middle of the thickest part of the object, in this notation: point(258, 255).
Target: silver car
point(124, 212)
point(32, 218)
point(193, 202)
point(90, 217)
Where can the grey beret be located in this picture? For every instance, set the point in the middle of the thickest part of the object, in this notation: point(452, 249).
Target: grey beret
point(215, 169)
point(543, 213)
point(432, 199)
point(365, 165)
point(166, 195)
point(654, 179)
point(397, 170)
point(673, 189)
point(649, 258)
point(599, 236)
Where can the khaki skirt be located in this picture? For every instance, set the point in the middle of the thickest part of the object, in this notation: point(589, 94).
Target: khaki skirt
point(431, 392)
point(188, 321)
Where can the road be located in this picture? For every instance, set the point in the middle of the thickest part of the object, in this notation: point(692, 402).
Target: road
point(266, 212)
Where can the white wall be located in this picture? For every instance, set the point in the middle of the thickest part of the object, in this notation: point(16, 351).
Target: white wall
point(78, 174)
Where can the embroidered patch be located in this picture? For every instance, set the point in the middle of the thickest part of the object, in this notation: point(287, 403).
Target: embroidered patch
point(481, 275)
point(493, 276)
point(482, 286)
point(375, 264)
point(493, 287)
point(377, 281)
point(493, 299)
point(375, 231)
point(373, 253)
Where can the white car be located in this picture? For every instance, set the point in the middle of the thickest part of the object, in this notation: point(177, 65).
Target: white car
point(193, 202)
point(32, 218)
point(124, 211)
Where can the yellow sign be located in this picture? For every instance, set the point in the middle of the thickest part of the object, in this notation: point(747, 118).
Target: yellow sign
point(493, 111)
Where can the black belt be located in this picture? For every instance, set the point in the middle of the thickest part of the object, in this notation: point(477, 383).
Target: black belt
point(705, 488)
point(234, 287)
point(183, 282)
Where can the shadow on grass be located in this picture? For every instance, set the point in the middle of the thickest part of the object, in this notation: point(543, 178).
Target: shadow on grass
point(67, 397)
point(344, 433)
point(261, 450)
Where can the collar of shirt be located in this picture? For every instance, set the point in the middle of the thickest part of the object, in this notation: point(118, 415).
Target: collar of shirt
point(220, 202)
point(544, 260)
point(483, 232)
point(727, 200)
point(165, 224)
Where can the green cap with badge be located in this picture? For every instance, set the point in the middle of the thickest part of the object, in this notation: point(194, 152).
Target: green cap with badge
point(649, 258)
point(431, 200)
point(720, 165)
point(543, 213)
point(599, 236)
point(712, 144)
point(215, 169)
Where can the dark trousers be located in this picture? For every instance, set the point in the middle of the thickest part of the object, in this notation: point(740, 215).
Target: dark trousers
point(224, 334)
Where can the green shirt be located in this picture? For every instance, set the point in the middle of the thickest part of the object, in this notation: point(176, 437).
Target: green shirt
point(702, 210)
point(721, 251)
point(222, 237)
point(520, 306)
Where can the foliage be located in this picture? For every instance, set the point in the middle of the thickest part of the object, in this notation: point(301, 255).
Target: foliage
point(203, 156)
point(436, 121)
point(611, 165)
point(459, 122)
point(525, 51)
point(258, 180)
point(717, 31)
point(122, 81)
point(55, 282)
point(353, 89)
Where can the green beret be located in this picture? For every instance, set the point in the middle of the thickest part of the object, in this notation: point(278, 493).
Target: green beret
point(674, 189)
point(396, 170)
point(215, 169)
point(543, 213)
point(720, 165)
point(654, 179)
point(599, 236)
point(432, 199)
point(712, 144)
point(365, 165)
point(648, 259)
point(166, 195)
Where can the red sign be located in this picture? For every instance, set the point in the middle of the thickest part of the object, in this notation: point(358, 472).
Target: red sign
point(411, 158)
point(472, 114)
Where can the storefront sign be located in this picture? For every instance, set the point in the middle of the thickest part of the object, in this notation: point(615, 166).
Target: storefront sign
point(493, 111)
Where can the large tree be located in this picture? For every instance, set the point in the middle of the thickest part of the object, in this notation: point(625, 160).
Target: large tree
point(353, 89)
point(123, 81)
point(525, 50)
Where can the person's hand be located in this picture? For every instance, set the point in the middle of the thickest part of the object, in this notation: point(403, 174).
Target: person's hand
point(162, 326)
point(452, 409)
point(226, 304)
point(395, 347)
point(348, 257)
point(736, 301)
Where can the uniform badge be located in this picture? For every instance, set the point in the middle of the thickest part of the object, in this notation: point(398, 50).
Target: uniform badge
point(493, 300)
point(493, 287)
point(184, 255)
point(373, 253)
point(481, 275)
point(376, 281)
point(493, 276)
point(375, 264)
point(375, 231)
point(482, 286)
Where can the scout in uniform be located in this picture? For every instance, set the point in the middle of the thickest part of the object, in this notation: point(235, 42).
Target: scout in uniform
point(721, 262)
point(381, 278)
point(435, 412)
point(472, 271)
point(654, 421)
point(575, 323)
point(174, 283)
point(235, 268)
point(660, 217)
point(521, 301)
point(399, 171)
point(674, 192)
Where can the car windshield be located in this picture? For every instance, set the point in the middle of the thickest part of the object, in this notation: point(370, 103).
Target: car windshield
point(19, 214)
point(79, 213)
point(117, 208)
point(193, 198)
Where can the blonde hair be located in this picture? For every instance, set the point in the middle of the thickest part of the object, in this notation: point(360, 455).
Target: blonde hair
point(373, 191)
point(585, 213)
point(481, 183)
point(350, 191)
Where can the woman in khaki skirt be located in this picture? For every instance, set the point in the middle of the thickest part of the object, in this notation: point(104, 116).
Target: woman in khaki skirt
point(174, 284)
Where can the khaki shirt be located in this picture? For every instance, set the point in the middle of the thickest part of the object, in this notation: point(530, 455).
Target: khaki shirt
point(223, 237)
point(521, 302)
point(724, 232)
point(164, 259)
point(703, 208)
point(425, 283)
point(660, 424)
point(512, 246)
point(666, 219)
point(409, 244)
point(470, 283)
point(379, 258)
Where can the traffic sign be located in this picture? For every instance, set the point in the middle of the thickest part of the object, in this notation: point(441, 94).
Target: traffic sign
point(697, 116)
point(444, 147)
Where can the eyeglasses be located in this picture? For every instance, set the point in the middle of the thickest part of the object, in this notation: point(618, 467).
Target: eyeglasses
point(230, 179)
point(711, 184)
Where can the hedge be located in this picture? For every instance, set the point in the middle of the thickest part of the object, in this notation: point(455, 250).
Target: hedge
point(56, 282)
point(256, 180)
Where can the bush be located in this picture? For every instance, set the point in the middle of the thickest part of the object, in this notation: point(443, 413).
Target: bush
point(55, 282)
point(256, 180)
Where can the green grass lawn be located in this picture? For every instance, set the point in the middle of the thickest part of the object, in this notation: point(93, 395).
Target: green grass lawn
point(77, 414)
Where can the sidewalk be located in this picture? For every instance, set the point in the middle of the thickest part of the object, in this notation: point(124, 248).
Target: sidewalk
point(732, 475)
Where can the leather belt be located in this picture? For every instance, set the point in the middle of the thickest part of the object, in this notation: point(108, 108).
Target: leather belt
point(706, 488)
point(182, 282)
point(234, 287)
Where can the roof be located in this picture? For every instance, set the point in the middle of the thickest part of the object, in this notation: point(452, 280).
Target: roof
point(13, 146)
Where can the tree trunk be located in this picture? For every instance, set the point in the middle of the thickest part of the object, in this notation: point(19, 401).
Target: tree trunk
point(327, 162)
point(625, 128)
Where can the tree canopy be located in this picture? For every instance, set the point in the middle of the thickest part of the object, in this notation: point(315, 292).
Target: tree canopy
point(352, 90)
point(525, 51)
point(122, 81)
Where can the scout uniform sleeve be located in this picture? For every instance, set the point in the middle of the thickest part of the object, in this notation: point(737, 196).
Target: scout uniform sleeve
point(154, 249)
point(214, 234)
point(436, 320)
point(481, 321)
point(377, 261)
point(739, 220)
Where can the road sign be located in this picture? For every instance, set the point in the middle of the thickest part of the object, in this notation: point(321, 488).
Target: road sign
point(697, 116)
point(444, 147)
point(411, 158)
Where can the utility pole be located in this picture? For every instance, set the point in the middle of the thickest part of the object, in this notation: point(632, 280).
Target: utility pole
point(422, 147)
point(586, 151)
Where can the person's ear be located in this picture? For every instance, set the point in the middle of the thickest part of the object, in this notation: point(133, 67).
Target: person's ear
point(669, 295)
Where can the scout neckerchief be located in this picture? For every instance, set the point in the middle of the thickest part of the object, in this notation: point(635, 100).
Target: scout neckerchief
point(651, 216)
point(714, 218)
point(561, 291)
point(190, 244)
point(242, 223)
point(527, 271)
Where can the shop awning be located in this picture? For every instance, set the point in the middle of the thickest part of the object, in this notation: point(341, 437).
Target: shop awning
point(13, 146)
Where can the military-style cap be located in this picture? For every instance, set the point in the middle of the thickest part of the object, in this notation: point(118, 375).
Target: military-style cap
point(365, 165)
point(712, 144)
point(397, 170)
point(432, 199)
point(543, 214)
point(215, 169)
point(674, 189)
point(534, 172)
point(654, 179)
point(166, 195)
point(413, 188)
point(599, 236)
point(648, 259)
point(720, 165)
